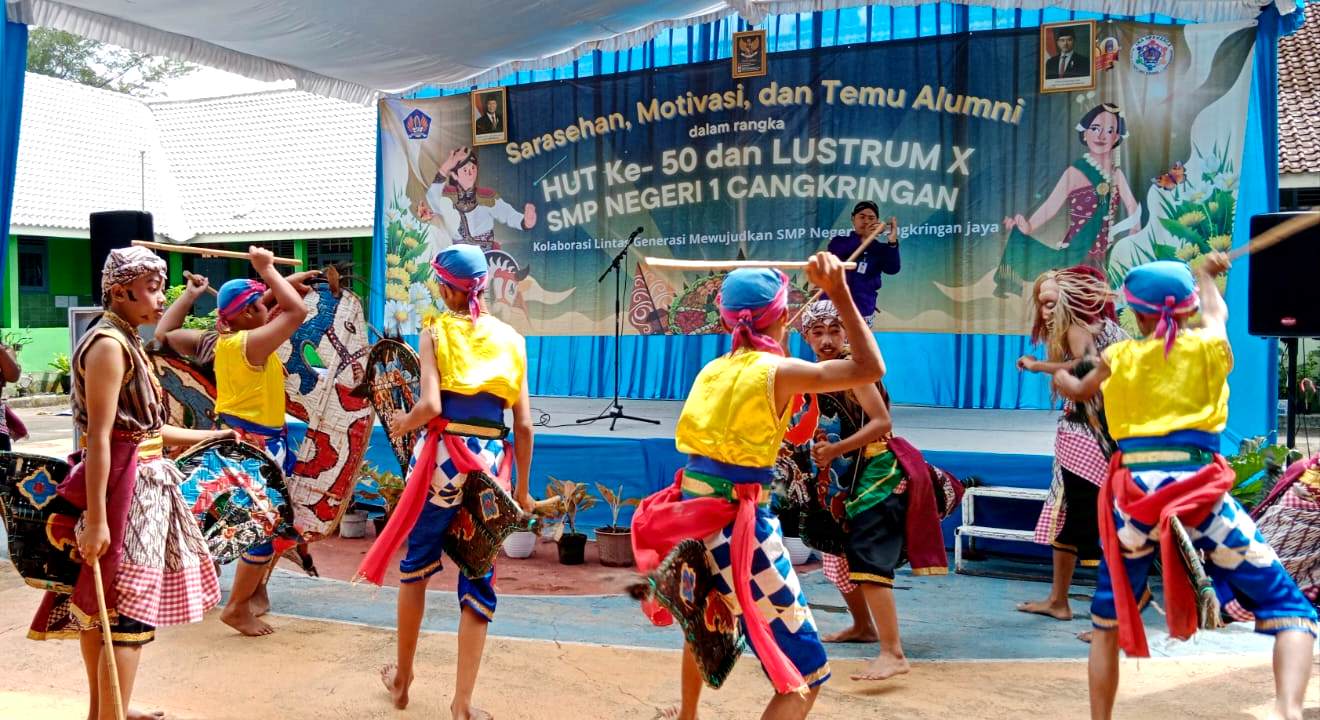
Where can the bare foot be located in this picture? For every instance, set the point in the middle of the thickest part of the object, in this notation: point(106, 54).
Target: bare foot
point(240, 618)
point(883, 667)
point(670, 713)
point(470, 713)
point(260, 601)
point(1084, 636)
point(389, 675)
point(852, 634)
point(140, 715)
point(1045, 607)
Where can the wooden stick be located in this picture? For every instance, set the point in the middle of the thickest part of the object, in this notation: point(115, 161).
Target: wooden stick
point(866, 242)
point(677, 264)
point(1277, 234)
point(208, 252)
point(113, 666)
point(189, 276)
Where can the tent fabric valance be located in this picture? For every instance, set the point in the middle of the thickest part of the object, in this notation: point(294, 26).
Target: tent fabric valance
point(358, 52)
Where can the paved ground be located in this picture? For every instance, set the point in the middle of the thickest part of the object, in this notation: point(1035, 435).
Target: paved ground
point(593, 655)
point(317, 670)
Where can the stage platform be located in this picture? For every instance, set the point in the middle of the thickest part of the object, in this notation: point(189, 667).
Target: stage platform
point(1000, 447)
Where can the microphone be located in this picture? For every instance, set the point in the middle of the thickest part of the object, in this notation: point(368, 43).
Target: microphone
point(635, 233)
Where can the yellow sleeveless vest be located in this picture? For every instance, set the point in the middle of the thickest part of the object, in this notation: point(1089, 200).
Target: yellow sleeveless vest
point(730, 415)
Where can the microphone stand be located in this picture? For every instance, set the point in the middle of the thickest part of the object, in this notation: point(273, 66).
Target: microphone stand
point(615, 410)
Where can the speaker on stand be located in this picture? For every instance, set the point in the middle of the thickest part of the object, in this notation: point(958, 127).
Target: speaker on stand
point(115, 229)
point(1283, 296)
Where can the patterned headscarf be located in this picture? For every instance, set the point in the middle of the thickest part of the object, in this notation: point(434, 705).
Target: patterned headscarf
point(463, 267)
point(124, 265)
point(821, 312)
point(236, 295)
point(1164, 288)
point(750, 300)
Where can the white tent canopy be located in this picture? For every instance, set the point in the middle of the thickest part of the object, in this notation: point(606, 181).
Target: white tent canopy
point(358, 50)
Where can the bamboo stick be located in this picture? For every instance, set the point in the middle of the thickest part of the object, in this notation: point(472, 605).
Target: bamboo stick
point(677, 264)
point(111, 666)
point(208, 252)
point(1277, 234)
point(189, 276)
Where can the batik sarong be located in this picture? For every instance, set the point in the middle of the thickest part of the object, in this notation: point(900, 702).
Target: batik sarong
point(164, 574)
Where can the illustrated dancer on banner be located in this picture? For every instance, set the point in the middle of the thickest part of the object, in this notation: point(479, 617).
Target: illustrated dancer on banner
point(731, 428)
point(879, 259)
point(154, 562)
point(1074, 318)
point(474, 367)
point(1166, 399)
point(1093, 187)
point(250, 396)
point(889, 504)
point(469, 212)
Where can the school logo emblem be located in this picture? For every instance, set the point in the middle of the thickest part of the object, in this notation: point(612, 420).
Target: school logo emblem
point(417, 124)
point(1151, 53)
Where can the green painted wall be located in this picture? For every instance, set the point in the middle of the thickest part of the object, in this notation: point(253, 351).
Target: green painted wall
point(11, 284)
point(45, 345)
point(68, 274)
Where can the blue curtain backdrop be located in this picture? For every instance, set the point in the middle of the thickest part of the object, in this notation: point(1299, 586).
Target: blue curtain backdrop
point(13, 62)
point(964, 371)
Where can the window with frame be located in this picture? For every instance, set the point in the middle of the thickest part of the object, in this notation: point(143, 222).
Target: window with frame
point(33, 265)
point(321, 253)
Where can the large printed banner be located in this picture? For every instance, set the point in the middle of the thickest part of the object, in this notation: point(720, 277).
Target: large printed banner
point(1000, 154)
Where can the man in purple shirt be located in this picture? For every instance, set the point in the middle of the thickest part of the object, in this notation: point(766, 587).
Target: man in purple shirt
point(879, 258)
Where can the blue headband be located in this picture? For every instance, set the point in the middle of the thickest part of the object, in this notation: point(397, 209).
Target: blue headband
point(236, 295)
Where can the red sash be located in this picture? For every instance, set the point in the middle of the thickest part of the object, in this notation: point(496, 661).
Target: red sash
point(665, 519)
point(1191, 500)
point(416, 491)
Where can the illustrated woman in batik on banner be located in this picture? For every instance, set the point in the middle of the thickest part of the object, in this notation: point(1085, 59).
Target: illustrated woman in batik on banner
point(1093, 187)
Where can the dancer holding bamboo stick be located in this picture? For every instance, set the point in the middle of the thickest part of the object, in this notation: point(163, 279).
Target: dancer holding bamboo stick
point(136, 529)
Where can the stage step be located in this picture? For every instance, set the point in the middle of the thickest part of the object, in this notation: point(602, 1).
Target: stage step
point(970, 529)
point(994, 533)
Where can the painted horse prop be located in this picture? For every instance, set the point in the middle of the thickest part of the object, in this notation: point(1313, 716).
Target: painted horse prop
point(39, 522)
point(392, 382)
point(239, 496)
point(323, 361)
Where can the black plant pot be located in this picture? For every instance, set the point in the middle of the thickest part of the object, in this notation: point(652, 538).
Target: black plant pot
point(572, 549)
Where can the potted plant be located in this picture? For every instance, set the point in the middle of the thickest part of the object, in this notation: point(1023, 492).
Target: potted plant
point(573, 496)
point(62, 372)
point(614, 542)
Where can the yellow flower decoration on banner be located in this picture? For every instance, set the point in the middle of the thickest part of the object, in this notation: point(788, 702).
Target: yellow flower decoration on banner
point(1188, 253)
point(1192, 219)
point(393, 260)
point(1221, 243)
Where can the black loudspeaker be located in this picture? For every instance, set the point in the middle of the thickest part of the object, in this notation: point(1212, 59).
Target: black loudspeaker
point(115, 229)
point(1283, 298)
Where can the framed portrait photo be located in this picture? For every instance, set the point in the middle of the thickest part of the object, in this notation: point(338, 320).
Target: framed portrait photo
point(490, 117)
point(1067, 61)
point(749, 58)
